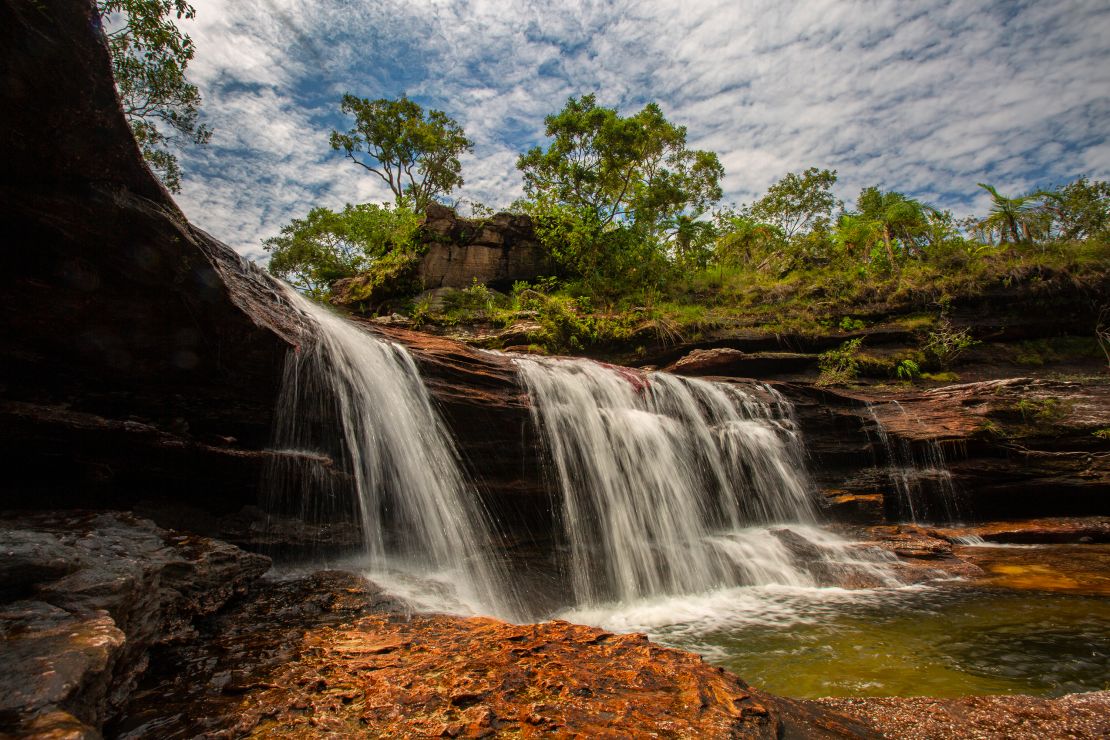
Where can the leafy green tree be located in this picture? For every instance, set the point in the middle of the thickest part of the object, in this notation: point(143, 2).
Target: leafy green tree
point(692, 240)
point(1080, 209)
point(886, 217)
point(149, 57)
point(415, 152)
point(743, 241)
point(313, 252)
point(1015, 219)
point(798, 202)
point(603, 172)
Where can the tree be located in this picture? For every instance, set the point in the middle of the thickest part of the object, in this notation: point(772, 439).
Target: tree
point(797, 202)
point(313, 252)
point(1080, 210)
point(604, 173)
point(744, 241)
point(1014, 219)
point(415, 152)
point(149, 58)
point(889, 216)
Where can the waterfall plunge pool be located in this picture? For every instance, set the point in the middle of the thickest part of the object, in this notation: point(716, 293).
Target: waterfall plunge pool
point(938, 640)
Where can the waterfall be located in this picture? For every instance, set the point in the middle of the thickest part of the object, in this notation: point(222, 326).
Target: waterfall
point(919, 474)
point(671, 485)
point(363, 442)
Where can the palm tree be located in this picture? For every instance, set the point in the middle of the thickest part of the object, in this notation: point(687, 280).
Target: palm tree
point(1017, 218)
point(886, 216)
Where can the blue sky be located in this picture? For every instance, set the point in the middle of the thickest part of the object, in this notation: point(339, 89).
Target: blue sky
point(928, 98)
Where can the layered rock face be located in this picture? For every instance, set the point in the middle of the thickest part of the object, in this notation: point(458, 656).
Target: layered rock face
point(83, 600)
point(494, 251)
point(136, 346)
point(1004, 449)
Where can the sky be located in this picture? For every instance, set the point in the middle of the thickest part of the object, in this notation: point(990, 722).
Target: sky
point(927, 98)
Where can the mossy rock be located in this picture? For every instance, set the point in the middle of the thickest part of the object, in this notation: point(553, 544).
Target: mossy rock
point(390, 278)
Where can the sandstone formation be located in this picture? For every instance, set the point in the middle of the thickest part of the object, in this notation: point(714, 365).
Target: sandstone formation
point(84, 597)
point(451, 253)
point(328, 655)
point(1004, 444)
point(495, 251)
point(118, 314)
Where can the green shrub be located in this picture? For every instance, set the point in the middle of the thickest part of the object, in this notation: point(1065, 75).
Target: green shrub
point(907, 370)
point(841, 365)
point(945, 343)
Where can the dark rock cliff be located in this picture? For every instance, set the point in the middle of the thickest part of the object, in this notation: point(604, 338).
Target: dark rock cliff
point(136, 346)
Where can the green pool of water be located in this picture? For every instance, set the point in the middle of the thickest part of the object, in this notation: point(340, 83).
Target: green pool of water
point(934, 642)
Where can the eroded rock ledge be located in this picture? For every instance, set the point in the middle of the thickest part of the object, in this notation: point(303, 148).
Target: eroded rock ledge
point(83, 599)
point(328, 654)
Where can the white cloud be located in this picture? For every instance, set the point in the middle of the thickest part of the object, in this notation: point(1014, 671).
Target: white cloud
point(926, 99)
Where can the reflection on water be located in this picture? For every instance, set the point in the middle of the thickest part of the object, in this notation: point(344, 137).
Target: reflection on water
point(886, 642)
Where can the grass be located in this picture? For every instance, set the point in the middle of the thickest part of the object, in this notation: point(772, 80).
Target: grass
point(838, 298)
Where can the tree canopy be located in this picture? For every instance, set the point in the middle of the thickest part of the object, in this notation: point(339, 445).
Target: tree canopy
point(149, 58)
point(604, 174)
point(797, 202)
point(415, 152)
point(315, 251)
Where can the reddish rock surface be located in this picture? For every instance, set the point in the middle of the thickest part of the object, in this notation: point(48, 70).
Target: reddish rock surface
point(327, 655)
point(987, 717)
point(735, 363)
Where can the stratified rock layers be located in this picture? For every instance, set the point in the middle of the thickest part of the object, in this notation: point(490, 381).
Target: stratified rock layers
point(83, 599)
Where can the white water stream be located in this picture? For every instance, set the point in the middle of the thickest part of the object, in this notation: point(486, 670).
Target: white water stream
point(357, 402)
point(669, 488)
point(672, 486)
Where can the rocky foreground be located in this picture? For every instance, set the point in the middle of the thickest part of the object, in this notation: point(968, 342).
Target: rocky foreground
point(111, 624)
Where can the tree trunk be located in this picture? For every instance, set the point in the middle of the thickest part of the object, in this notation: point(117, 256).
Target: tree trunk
point(889, 248)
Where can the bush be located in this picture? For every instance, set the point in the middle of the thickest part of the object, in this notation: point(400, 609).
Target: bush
point(840, 366)
point(946, 343)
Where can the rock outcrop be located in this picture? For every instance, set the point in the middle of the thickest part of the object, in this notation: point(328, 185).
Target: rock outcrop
point(84, 597)
point(494, 251)
point(118, 314)
point(1004, 445)
point(329, 655)
point(451, 253)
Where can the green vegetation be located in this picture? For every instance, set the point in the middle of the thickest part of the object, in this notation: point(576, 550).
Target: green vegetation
point(841, 365)
point(645, 256)
point(325, 246)
point(149, 57)
point(415, 152)
point(1043, 410)
point(618, 199)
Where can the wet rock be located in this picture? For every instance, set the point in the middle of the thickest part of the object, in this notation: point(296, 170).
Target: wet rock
point(86, 596)
point(858, 508)
point(724, 361)
point(1004, 444)
point(1010, 717)
point(1059, 530)
point(330, 654)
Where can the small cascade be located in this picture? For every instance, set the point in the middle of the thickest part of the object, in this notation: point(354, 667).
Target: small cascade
point(919, 473)
point(676, 486)
point(361, 442)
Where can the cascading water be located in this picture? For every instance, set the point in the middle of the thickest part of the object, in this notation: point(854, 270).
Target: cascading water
point(363, 441)
point(669, 484)
point(919, 474)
